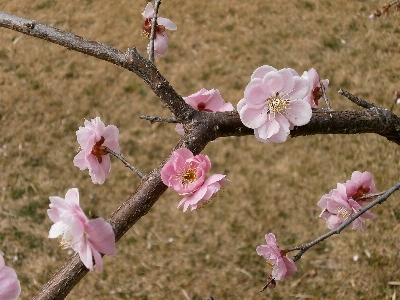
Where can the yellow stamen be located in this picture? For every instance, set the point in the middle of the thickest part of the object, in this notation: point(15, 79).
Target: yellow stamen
point(189, 176)
point(276, 104)
point(344, 212)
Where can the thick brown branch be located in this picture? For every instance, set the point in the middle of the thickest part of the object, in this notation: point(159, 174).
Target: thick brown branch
point(130, 60)
point(375, 120)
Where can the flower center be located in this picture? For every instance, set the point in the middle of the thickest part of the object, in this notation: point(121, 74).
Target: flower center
point(188, 176)
point(316, 94)
point(344, 212)
point(66, 240)
point(276, 104)
point(98, 150)
point(147, 28)
point(361, 191)
point(270, 264)
point(202, 107)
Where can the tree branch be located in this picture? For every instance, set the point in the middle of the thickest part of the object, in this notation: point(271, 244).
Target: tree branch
point(203, 127)
point(374, 120)
point(130, 60)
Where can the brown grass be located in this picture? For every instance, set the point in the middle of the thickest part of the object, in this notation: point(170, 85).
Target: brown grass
point(47, 91)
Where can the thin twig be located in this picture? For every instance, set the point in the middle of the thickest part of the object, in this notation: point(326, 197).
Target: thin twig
point(368, 196)
point(393, 3)
point(358, 101)
point(153, 30)
point(328, 105)
point(126, 163)
point(154, 119)
point(270, 280)
point(338, 229)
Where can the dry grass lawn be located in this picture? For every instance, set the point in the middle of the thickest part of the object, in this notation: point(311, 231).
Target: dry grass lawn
point(47, 91)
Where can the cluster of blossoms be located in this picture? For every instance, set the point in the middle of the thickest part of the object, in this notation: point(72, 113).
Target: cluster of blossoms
point(281, 265)
point(347, 199)
point(10, 287)
point(205, 100)
point(160, 38)
point(93, 139)
point(87, 237)
point(277, 100)
point(186, 174)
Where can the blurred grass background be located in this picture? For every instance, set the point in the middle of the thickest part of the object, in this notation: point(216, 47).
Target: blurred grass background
point(47, 91)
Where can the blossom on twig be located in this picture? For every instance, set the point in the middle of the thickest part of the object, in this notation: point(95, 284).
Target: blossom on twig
point(360, 184)
point(341, 203)
point(93, 139)
point(87, 237)
point(273, 103)
point(184, 172)
point(281, 265)
point(10, 287)
point(205, 100)
point(315, 93)
point(160, 39)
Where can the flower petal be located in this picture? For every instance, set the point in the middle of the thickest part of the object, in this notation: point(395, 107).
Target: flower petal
point(298, 112)
point(261, 71)
point(167, 23)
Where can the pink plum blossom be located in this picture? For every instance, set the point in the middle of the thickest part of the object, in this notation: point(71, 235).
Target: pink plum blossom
point(184, 172)
point(282, 266)
point(273, 103)
point(360, 184)
point(205, 100)
point(93, 139)
point(87, 237)
point(160, 39)
point(338, 207)
point(315, 93)
point(204, 194)
point(10, 287)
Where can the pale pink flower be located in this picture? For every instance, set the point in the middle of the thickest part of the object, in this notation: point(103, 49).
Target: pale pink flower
point(160, 39)
point(360, 184)
point(338, 207)
point(87, 237)
point(10, 287)
point(282, 266)
point(204, 194)
point(315, 93)
point(205, 100)
point(93, 139)
point(184, 172)
point(273, 103)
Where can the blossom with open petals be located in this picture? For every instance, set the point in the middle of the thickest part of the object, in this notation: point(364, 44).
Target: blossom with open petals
point(87, 237)
point(204, 194)
point(205, 100)
point(93, 139)
point(160, 38)
point(273, 103)
point(315, 93)
point(10, 287)
point(282, 266)
point(337, 207)
point(184, 172)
